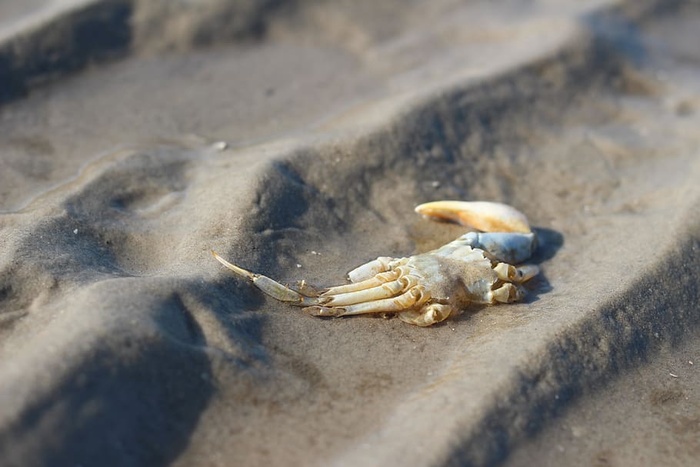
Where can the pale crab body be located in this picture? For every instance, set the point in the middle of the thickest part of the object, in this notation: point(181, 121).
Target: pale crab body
point(428, 288)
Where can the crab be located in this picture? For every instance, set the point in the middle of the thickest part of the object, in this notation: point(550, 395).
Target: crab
point(476, 268)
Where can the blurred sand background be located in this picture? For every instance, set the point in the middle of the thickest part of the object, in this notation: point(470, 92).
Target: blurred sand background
point(295, 138)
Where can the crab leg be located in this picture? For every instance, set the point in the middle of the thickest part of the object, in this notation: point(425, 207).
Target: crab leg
point(507, 293)
point(507, 272)
point(387, 290)
point(271, 287)
point(413, 297)
point(375, 281)
point(426, 316)
point(368, 270)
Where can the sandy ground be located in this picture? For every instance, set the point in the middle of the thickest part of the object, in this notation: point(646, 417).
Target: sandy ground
point(296, 139)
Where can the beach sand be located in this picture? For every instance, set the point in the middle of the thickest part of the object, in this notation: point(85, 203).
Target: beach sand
point(295, 139)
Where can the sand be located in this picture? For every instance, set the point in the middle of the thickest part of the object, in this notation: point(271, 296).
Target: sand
point(295, 139)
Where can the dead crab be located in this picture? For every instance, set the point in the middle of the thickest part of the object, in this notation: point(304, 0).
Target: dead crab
point(427, 288)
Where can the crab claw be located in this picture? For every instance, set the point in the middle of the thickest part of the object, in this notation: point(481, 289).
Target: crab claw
point(481, 215)
point(271, 287)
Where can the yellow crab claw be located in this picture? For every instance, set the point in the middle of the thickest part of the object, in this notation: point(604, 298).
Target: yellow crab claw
point(481, 215)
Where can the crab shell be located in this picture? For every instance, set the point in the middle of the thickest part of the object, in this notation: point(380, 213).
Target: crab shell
point(428, 288)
